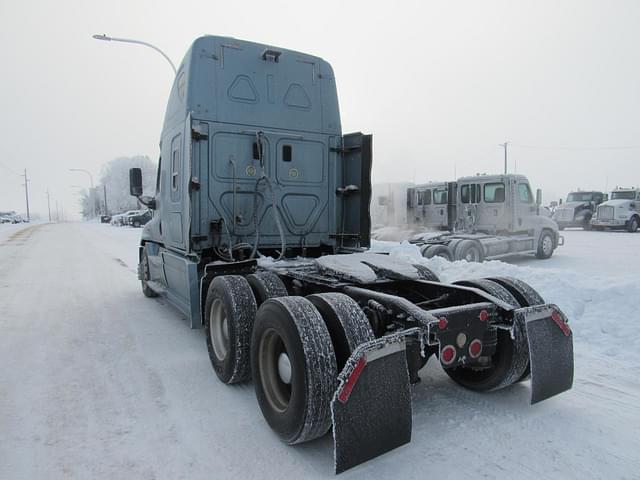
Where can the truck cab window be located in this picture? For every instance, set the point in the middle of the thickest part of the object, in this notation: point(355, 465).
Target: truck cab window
point(440, 196)
point(524, 193)
point(494, 192)
point(464, 194)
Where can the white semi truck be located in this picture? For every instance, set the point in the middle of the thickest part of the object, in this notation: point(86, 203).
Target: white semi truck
point(622, 211)
point(490, 217)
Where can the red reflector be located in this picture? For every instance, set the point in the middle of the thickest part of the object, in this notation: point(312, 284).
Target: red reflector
point(484, 316)
point(442, 323)
point(347, 388)
point(475, 348)
point(448, 354)
point(557, 318)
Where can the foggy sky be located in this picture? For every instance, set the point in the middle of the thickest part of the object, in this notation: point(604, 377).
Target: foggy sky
point(439, 84)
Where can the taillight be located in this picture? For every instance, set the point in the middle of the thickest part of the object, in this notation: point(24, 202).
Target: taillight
point(484, 316)
point(442, 323)
point(559, 321)
point(448, 355)
point(475, 348)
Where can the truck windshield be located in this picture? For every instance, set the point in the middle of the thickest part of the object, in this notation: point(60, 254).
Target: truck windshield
point(623, 195)
point(580, 197)
point(439, 196)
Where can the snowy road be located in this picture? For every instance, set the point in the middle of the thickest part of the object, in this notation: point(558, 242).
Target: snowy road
point(98, 381)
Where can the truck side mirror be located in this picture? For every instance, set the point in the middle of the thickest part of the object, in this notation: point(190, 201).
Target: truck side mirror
point(606, 197)
point(538, 197)
point(135, 182)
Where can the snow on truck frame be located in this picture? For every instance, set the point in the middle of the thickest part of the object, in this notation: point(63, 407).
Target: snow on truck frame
point(254, 162)
point(490, 217)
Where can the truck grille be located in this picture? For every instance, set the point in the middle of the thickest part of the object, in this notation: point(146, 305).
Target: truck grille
point(565, 215)
point(605, 212)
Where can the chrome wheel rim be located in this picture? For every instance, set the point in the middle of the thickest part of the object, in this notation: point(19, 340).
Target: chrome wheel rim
point(275, 369)
point(219, 330)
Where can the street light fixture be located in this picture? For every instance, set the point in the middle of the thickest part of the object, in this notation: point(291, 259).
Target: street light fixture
point(92, 192)
point(107, 38)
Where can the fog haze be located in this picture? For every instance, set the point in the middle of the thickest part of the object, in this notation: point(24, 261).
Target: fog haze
point(439, 84)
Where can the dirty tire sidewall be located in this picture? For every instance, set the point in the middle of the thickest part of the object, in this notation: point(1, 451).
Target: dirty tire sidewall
point(347, 324)
point(239, 306)
point(266, 285)
point(313, 368)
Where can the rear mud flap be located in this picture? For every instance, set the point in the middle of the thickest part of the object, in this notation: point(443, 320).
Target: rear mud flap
point(550, 350)
point(372, 406)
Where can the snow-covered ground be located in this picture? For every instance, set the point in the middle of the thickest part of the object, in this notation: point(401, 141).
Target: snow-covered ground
point(98, 381)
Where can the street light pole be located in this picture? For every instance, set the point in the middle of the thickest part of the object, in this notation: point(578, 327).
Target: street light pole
point(91, 193)
point(137, 42)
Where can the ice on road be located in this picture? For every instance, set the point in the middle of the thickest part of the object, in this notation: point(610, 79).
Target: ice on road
point(99, 382)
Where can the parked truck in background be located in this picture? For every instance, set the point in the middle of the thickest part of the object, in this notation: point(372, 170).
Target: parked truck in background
point(260, 236)
point(621, 211)
point(427, 206)
point(578, 210)
point(491, 217)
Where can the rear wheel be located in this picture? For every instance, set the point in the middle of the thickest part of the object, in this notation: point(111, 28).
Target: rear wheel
point(429, 251)
point(294, 368)
point(230, 311)
point(266, 285)
point(545, 245)
point(633, 225)
point(347, 324)
point(469, 250)
point(509, 359)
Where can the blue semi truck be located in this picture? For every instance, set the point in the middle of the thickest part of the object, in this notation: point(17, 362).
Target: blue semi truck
point(260, 235)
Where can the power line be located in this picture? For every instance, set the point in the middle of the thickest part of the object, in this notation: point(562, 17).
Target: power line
point(549, 147)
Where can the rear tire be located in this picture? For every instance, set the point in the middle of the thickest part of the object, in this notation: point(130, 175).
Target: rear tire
point(633, 225)
point(469, 250)
point(230, 311)
point(347, 324)
point(266, 285)
point(294, 368)
point(510, 362)
point(430, 251)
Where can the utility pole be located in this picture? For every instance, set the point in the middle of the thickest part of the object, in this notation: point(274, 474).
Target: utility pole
point(504, 145)
point(26, 193)
point(49, 203)
point(104, 189)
